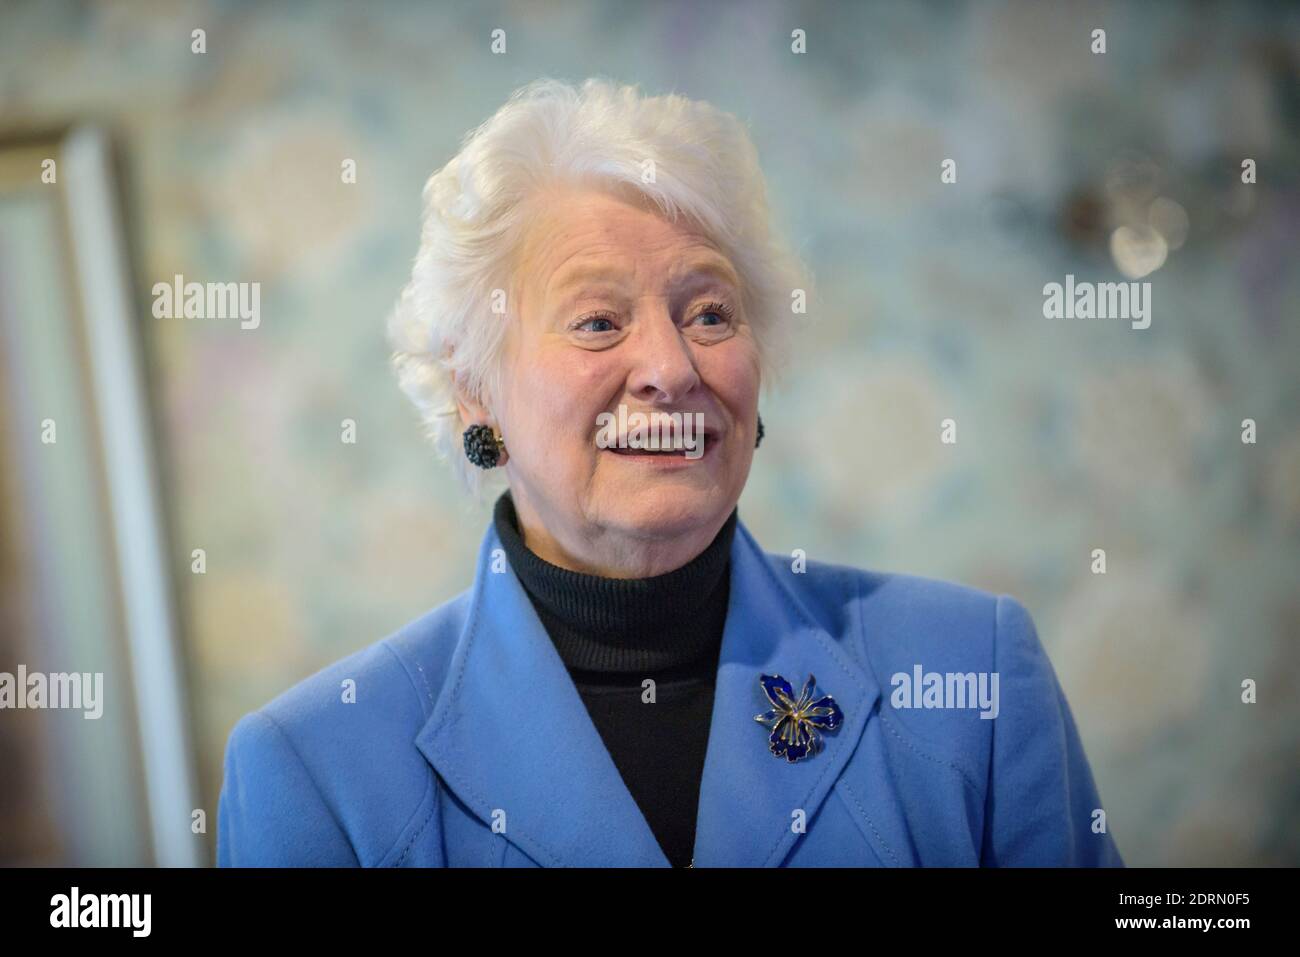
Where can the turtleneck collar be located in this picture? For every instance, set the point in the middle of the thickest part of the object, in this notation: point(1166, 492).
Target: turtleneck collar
point(629, 625)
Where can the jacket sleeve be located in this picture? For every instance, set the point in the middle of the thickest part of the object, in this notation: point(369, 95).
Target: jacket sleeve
point(271, 814)
point(1042, 803)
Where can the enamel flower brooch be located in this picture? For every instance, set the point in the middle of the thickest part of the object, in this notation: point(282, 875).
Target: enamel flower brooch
point(795, 722)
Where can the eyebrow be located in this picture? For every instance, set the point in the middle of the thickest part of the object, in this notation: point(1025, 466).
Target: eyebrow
point(717, 268)
point(586, 275)
point(604, 273)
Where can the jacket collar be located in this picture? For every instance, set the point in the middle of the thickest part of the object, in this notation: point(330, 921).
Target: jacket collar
point(510, 735)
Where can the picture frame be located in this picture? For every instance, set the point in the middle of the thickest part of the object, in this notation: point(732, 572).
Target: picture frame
point(82, 530)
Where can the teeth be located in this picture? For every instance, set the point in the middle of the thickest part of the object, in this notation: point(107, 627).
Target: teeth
point(654, 444)
point(651, 450)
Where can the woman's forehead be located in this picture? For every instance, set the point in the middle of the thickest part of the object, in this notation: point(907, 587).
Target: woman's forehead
point(587, 240)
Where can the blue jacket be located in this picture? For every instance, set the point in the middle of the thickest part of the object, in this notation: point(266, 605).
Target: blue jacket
point(468, 745)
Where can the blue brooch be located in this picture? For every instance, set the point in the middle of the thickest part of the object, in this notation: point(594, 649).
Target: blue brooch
point(794, 723)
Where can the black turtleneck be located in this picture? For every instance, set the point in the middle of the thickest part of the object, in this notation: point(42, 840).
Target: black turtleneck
point(614, 633)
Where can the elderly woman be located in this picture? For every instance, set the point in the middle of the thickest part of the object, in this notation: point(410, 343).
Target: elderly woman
point(597, 298)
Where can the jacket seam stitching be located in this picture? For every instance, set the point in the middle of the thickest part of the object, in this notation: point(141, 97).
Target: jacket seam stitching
point(988, 787)
point(961, 772)
point(844, 785)
point(428, 692)
point(430, 785)
point(818, 632)
point(899, 730)
point(475, 617)
point(802, 614)
point(420, 830)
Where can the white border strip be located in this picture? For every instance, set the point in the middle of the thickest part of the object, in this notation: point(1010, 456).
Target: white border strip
point(132, 485)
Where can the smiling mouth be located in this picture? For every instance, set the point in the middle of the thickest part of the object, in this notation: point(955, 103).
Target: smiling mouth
point(648, 451)
point(677, 449)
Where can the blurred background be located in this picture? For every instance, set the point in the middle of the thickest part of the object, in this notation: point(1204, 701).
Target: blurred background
point(201, 535)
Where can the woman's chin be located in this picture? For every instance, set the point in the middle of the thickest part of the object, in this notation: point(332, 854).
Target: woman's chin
point(662, 509)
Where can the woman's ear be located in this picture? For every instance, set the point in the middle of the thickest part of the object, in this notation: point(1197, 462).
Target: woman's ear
point(472, 412)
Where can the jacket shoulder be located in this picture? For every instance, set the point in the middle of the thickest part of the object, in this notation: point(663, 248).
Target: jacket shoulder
point(334, 752)
point(892, 623)
point(1029, 796)
point(896, 616)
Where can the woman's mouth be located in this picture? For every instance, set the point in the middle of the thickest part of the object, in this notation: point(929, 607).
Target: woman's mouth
point(673, 449)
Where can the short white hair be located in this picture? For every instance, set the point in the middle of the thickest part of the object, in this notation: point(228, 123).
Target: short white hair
point(550, 133)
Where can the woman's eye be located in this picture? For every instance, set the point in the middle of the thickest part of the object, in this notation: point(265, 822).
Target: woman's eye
point(596, 324)
point(714, 314)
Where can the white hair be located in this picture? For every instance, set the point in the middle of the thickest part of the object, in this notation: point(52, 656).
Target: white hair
point(698, 160)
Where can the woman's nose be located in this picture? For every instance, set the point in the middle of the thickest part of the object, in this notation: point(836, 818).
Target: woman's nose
point(663, 368)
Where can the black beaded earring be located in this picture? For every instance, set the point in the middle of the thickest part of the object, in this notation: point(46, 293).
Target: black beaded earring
point(483, 447)
point(759, 440)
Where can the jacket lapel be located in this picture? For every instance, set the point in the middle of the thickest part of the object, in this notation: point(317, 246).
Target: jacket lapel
point(509, 733)
point(748, 796)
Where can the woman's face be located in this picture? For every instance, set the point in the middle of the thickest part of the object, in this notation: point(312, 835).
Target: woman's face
point(619, 306)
